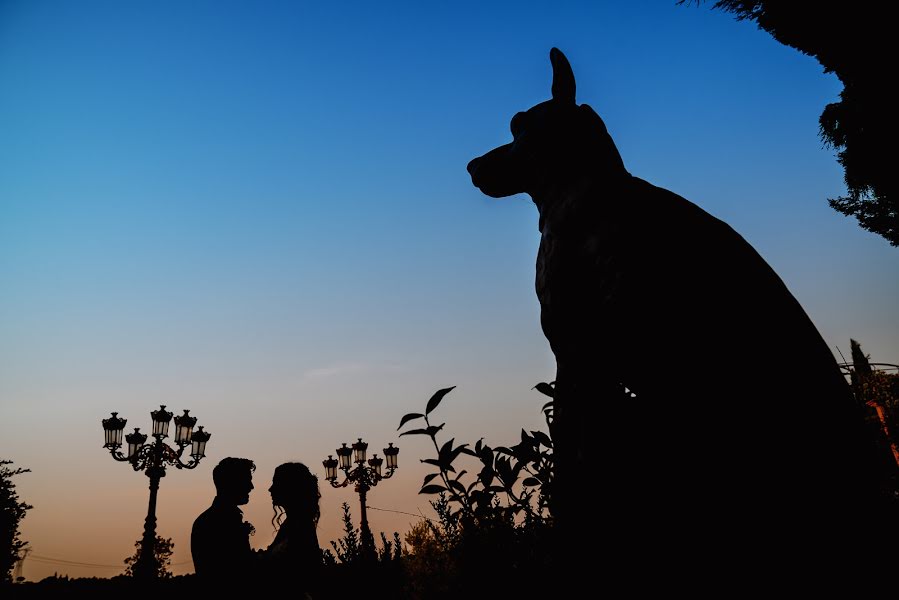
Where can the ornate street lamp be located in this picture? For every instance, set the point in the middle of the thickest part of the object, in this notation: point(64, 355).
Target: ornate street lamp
point(366, 475)
point(152, 458)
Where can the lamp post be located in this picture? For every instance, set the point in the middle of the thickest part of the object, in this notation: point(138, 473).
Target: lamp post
point(152, 458)
point(366, 475)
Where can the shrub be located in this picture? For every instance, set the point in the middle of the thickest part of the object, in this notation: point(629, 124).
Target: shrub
point(492, 534)
point(12, 511)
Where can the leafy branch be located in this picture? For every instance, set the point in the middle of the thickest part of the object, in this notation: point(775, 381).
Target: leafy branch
point(527, 466)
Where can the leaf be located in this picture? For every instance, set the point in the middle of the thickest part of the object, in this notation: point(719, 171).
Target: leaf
point(545, 389)
point(436, 398)
point(408, 418)
point(487, 458)
point(436, 462)
point(486, 476)
point(504, 469)
point(446, 450)
point(432, 489)
point(543, 438)
point(530, 481)
point(429, 478)
point(434, 429)
point(456, 451)
point(457, 486)
point(415, 432)
point(523, 452)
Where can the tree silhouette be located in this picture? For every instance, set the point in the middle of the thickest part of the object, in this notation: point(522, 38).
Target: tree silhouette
point(162, 548)
point(12, 511)
point(349, 549)
point(853, 42)
point(860, 364)
point(878, 389)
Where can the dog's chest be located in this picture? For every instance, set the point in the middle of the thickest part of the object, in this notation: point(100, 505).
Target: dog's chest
point(578, 263)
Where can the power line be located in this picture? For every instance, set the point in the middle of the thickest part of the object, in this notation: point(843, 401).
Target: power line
point(75, 563)
point(399, 512)
point(72, 563)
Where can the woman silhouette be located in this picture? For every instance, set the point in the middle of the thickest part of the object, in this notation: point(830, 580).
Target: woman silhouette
point(294, 558)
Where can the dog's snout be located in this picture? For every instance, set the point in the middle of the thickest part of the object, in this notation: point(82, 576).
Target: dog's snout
point(473, 166)
point(497, 173)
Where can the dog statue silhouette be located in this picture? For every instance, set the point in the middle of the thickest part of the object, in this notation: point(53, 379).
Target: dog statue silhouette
point(692, 391)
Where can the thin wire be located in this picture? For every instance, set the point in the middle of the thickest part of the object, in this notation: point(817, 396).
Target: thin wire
point(841, 355)
point(63, 561)
point(399, 512)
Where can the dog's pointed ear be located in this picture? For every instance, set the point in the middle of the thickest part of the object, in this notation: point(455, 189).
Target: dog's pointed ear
point(563, 77)
point(599, 143)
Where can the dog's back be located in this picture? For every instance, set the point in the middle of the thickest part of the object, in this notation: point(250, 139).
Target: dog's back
point(739, 412)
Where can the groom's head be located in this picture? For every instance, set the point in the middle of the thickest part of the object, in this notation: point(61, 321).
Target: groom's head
point(233, 478)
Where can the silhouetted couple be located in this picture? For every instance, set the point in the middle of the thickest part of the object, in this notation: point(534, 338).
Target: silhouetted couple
point(220, 542)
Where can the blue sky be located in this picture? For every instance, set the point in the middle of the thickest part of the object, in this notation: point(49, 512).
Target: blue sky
point(260, 211)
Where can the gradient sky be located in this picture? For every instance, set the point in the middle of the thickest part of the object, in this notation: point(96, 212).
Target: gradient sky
point(260, 211)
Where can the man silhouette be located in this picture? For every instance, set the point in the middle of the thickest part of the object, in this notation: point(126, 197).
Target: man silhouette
point(219, 540)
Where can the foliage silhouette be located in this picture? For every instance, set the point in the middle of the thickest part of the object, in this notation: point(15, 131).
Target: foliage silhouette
point(491, 535)
point(348, 549)
point(501, 469)
point(878, 390)
point(353, 575)
point(12, 511)
point(853, 42)
point(162, 549)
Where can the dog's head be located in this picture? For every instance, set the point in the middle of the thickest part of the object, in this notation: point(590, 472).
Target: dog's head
point(553, 144)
